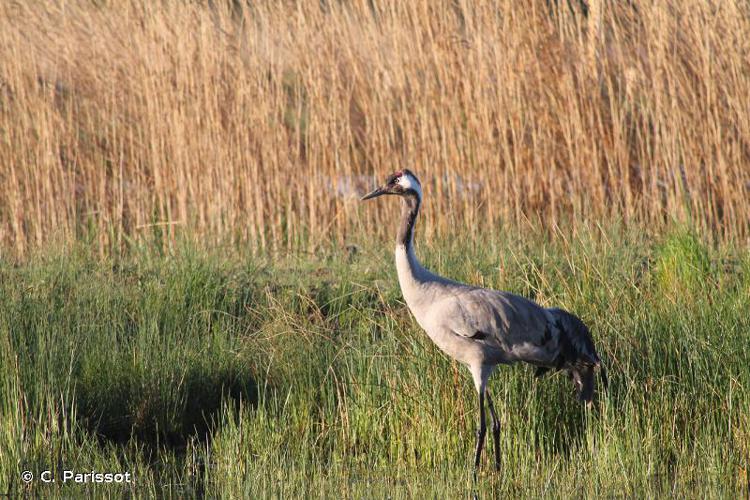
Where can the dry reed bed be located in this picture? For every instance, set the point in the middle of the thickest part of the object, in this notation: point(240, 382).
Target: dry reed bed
point(261, 123)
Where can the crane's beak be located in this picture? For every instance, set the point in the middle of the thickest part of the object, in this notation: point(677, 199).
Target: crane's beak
point(374, 194)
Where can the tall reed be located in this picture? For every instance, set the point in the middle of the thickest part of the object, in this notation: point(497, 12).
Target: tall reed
point(260, 122)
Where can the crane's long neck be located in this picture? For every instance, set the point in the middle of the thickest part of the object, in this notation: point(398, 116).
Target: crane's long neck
point(409, 211)
point(411, 274)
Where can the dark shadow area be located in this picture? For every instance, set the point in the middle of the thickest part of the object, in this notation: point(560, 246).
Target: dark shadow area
point(128, 413)
point(555, 422)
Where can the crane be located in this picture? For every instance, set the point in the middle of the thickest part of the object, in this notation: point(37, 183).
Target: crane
point(483, 328)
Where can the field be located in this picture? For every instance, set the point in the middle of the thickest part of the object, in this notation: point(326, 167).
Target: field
point(228, 375)
point(191, 293)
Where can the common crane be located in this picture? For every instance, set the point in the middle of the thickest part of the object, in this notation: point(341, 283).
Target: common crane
point(483, 328)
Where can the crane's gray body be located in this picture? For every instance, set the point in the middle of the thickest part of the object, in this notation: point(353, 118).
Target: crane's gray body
point(482, 328)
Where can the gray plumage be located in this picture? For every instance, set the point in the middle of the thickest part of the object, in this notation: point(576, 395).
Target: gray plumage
point(483, 328)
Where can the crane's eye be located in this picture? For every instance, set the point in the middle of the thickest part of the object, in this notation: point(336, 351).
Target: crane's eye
point(395, 180)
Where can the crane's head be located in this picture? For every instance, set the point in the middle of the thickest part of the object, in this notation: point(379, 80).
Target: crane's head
point(401, 183)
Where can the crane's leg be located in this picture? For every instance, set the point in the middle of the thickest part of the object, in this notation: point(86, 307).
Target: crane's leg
point(480, 434)
point(495, 430)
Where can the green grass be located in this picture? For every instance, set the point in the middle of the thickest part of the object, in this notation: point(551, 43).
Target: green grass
point(211, 372)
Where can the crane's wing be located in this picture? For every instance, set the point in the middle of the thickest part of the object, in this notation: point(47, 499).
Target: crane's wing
point(505, 321)
point(513, 328)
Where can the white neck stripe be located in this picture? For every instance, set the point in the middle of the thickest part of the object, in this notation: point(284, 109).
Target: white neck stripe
point(407, 181)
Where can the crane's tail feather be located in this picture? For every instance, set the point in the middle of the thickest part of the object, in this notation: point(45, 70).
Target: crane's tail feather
point(583, 379)
point(578, 355)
